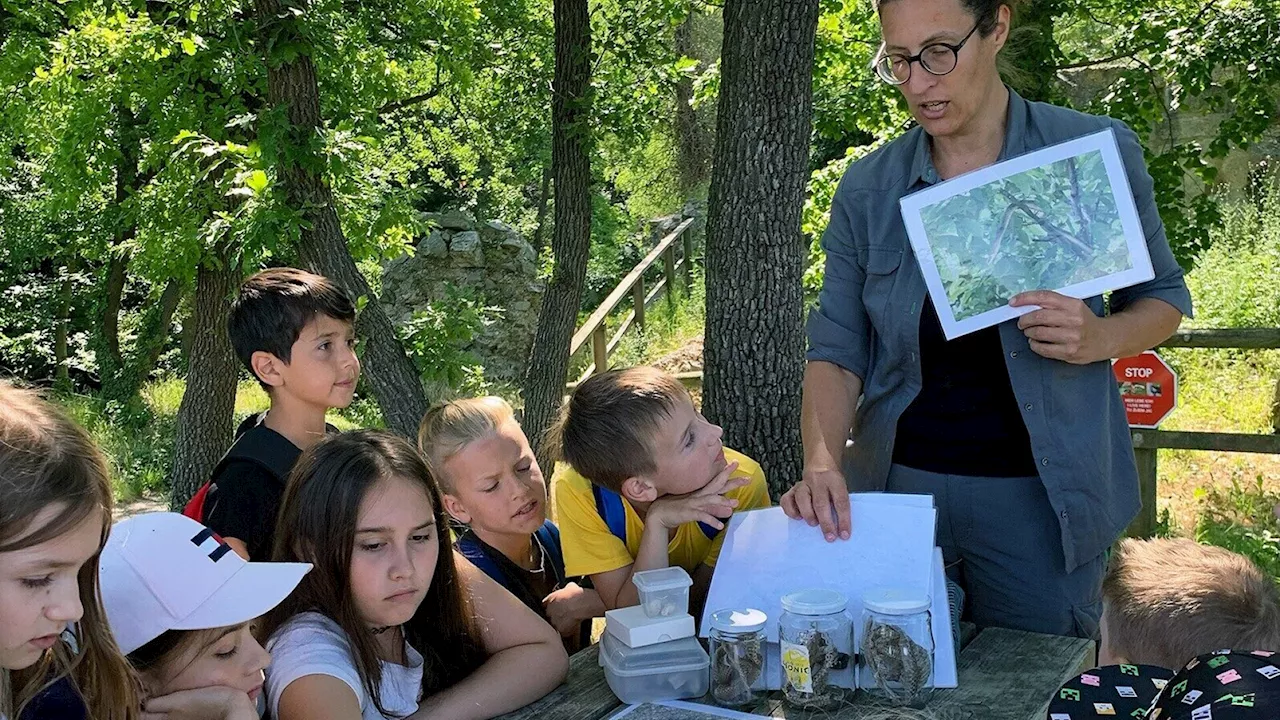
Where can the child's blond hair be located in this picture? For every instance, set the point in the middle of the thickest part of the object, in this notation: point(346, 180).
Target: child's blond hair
point(448, 427)
point(1169, 600)
point(606, 430)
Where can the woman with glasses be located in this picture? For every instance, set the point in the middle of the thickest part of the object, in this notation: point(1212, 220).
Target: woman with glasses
point(1017, 430)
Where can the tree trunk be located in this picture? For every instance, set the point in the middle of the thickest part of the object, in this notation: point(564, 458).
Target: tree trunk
point(62, 375)
point(544, 199)
point(754, 342)
point(291, 84)
point(571, 231)
point(114, 293)
point(204, 424)
point(692, 141)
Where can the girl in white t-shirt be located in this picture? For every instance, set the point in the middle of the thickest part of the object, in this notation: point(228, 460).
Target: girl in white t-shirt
point(55, 508)
point(391, 623)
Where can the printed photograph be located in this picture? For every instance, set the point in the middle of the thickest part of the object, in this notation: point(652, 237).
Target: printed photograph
point(1044, 228)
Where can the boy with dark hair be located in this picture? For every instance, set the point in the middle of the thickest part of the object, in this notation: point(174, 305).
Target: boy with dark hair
point(294, 331)
point(1167, 601)
point(647, 483)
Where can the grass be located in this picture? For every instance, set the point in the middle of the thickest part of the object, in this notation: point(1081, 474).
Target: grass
point(1217, 497)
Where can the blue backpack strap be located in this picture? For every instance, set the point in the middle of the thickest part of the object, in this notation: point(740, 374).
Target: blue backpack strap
point(472, 551)
point(549, 538)
point(614, 513)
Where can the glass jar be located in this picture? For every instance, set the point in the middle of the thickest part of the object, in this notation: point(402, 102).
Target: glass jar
point(816, 643)
point(895, 647)
point(738, 666)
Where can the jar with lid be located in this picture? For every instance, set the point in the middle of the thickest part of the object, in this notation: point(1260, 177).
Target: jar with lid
point(816, 643)
point(738, 666)
point(895, 647)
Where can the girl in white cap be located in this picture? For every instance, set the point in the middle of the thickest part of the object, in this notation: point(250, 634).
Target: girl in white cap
point(55, 508)
point(392, 623)
point(181, 605)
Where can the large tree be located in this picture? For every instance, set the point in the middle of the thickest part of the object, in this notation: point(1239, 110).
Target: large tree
point(571, 235)
point(291, 85)
point(754, 344)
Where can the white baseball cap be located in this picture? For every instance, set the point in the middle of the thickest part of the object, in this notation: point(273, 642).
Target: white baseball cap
point(164, 571)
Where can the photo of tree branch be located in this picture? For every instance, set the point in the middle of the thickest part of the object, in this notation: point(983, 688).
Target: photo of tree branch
point(1041, 229)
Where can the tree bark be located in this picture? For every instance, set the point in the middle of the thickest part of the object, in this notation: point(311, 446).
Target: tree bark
point(571, 232)
point(62, 374)
point(544, 199)
point(204, 424)
point(754, 342)
point(693, 143)
point(291, 84)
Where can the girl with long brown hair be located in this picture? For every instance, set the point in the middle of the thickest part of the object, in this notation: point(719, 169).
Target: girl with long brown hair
point(57, 656)
point(390, 622)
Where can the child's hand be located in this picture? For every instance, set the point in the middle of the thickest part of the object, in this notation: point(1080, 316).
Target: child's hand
point(567, 607)
point(209, 703)
point(707, 505)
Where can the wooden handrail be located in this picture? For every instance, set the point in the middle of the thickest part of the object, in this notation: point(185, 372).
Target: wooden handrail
point(1233, 338)
point(584, 333)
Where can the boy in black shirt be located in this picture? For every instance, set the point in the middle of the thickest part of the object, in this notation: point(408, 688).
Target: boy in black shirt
point(294, 331)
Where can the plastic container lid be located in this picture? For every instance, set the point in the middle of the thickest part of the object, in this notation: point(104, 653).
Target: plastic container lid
point(815, 601)
point(746, 620)
point(668, 578)
point(665, 658)
point(895, 601)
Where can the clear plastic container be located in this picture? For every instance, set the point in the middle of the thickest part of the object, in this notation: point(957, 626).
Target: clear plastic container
point(816, 643)
point(663, 592)
point(668, 671)
point(739, 666)
point(895, 647)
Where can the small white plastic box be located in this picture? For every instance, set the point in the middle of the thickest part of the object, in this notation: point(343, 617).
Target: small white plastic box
point(636, 629)
point(666, 671)
point(663, 592)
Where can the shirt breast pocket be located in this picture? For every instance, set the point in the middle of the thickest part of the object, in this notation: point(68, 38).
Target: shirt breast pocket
point(882, 272)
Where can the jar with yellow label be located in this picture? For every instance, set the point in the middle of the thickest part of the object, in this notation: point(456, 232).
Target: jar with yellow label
point(816, 643)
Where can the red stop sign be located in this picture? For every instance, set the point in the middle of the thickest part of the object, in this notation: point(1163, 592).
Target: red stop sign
point(1149, 388)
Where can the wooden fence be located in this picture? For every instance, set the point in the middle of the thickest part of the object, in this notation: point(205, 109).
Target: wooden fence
point(1146, 443)
point(595, 329)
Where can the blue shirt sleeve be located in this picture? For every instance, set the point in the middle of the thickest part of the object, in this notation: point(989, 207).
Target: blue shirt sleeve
point(1168, 284)
point(838, 328)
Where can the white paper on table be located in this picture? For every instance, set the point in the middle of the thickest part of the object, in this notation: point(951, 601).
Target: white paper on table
point(767, 555)
point(753, 561)
point(969, 263)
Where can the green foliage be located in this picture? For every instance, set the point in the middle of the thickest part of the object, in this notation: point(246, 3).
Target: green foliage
point(1237, 281)
point(436, 338)
point(1242, 519)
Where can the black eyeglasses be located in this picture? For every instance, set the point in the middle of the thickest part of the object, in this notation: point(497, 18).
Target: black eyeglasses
point(936, 58)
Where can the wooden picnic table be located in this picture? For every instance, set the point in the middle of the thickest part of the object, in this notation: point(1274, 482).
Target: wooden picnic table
point(1004, 675)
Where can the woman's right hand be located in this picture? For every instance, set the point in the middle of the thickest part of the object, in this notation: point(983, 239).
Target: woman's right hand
point(209, 703)
point(820, 498)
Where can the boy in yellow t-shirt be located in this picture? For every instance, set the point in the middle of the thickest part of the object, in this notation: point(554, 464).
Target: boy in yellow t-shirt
point(645, 484)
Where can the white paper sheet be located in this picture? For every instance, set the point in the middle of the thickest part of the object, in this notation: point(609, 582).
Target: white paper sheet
point(767, 555)
point(1080, 242)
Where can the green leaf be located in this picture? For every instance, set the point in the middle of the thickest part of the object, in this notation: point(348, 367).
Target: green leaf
point(188, 46)
point(257, 181)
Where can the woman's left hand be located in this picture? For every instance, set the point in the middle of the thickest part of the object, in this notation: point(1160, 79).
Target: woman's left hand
point(1064, 328)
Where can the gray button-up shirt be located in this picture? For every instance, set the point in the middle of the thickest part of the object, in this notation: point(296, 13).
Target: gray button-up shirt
point(868, 322)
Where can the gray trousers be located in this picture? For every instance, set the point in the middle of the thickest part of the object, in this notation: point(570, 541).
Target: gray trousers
point(1001, 542)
